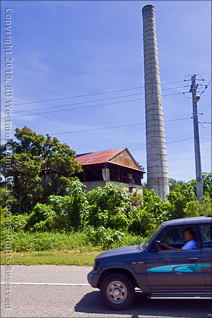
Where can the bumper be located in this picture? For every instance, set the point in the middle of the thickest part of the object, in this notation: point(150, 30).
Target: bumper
point(93, 279)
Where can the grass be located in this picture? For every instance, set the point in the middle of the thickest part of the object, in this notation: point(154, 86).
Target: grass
point(24, 241)
point(74, 248)
point(51, 258)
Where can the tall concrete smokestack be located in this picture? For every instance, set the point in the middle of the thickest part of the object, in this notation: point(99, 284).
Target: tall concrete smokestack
point(157, 177)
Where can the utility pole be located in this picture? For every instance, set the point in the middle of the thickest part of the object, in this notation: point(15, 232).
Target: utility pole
point(195, 99)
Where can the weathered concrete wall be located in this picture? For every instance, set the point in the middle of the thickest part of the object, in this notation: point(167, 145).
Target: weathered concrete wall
point(139, 188)
point(157, 177)
point(94, 184)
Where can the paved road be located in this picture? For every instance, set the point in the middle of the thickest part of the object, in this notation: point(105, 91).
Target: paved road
point(63, 291)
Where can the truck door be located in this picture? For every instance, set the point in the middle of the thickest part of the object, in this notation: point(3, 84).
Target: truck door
point(206, 253)
point(173, 271)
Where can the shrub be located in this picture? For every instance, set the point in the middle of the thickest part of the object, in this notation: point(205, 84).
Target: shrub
point(19, 222)
point(191, 209)
point(141, 223)
point(110, 207)
point(206, 205)
point(178, 198)
point(42, 218)
point(107, 238)
point(75, 205)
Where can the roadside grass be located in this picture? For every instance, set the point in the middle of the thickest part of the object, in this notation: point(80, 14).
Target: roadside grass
point(51, 258)
point(74, 248)
point(24, 241)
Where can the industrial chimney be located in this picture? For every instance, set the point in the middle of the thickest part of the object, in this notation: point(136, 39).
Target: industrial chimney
point(157, 177)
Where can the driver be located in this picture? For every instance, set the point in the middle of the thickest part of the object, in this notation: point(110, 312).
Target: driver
point(190, 243)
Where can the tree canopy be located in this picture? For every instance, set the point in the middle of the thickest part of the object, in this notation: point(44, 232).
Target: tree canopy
point(35, 167)
point(206, 181)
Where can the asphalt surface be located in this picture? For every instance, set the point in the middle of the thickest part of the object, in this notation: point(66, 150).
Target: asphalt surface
point(63, 291)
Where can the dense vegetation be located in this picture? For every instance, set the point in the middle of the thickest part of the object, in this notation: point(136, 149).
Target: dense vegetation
point(105, 217)
point(34, 167)
point(60, 214)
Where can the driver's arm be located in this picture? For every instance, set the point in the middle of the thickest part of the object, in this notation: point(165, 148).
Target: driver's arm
point(168, 246)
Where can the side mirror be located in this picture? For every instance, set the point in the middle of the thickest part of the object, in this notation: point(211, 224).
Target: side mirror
point(157, 245)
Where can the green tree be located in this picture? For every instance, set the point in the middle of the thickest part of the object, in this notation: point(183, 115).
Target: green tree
point(179, 199)
point(148, 211)
point(173, 183)
point(109, 207)
point(38, 167)
point(206, 181)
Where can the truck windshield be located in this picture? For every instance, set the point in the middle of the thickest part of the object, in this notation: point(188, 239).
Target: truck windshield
point(146, 243)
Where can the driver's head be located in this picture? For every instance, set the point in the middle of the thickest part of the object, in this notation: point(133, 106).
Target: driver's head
point(188, 234)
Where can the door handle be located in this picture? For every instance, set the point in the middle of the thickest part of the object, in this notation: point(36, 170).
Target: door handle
point(192, 260)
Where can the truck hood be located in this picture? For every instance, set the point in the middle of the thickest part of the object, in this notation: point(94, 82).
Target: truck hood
point(121, 253)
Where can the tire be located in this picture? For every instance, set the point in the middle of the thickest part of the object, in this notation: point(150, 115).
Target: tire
point(117, 292)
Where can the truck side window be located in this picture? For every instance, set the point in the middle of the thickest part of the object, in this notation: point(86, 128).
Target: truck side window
point(206, 235)
point(172, 235)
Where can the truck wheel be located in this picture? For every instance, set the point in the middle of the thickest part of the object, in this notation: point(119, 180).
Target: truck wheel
point(117, 292)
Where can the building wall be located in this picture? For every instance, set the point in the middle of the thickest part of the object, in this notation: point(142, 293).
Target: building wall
point(94, 184)
point(90, 185)
point(126, 160)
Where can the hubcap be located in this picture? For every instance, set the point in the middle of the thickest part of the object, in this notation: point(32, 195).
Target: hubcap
point(117, 292)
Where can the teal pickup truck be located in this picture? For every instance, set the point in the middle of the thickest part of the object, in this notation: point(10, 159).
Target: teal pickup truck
point(174, 263)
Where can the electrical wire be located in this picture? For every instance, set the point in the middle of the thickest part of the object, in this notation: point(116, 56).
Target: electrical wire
point(77, 96)
point(92, 101)
point(206, 86)
point(167, 143)
point(91, 106)
point(209, 82)
point(92, 129)
point(113, 127)
point(172, 83)
point(172, 142)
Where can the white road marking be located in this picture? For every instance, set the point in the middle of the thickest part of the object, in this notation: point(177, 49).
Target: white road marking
point(51, 284)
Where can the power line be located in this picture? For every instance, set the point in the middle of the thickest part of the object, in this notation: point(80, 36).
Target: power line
point(86, 95)
point(78, 96)
point(113, 127)
point(172, 83)
point(171, 142)
point(137, 149)
point(205, 138)
point(172, 94)
point(167, 89)
point(91, 101)
point(123, 126)
point(206, 86)
point(93, 129)
point(91, 106)
point(79, 103)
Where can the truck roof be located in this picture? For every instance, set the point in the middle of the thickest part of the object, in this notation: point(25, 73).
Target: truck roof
point(193, 220)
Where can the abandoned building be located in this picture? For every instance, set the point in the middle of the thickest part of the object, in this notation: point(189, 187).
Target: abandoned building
point(110, 166)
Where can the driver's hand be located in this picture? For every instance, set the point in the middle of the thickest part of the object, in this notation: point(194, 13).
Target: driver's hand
point(165, 244)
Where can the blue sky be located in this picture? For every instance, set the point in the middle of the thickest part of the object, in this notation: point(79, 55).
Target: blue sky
point(88, 56)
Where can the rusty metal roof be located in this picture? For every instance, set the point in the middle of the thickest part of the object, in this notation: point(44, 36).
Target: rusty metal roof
point(98, 157)
point(103, 157)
